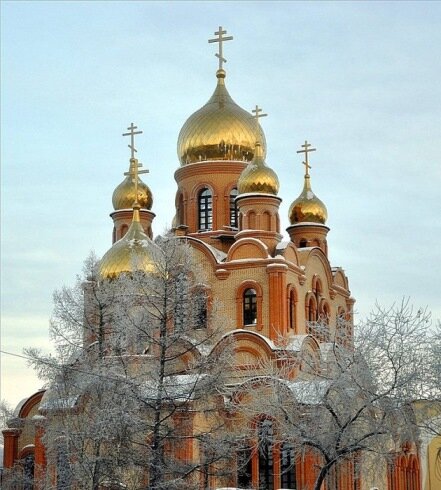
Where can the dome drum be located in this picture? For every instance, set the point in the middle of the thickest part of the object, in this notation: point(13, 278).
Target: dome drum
point(305, 235)
point(123, 218)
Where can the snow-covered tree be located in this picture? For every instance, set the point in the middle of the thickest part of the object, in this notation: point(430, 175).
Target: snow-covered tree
point(134, 374)
point(347, 407)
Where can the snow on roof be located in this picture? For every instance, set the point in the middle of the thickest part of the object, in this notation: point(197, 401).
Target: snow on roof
point(21, 403)
point(20, 406)
point(295, 343)
point(179, 387)
point(220, 256)
point(241, 330)
point(308, 392)
point(63, 403)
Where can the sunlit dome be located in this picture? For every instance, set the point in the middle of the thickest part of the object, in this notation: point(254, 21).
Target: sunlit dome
point(220, 130)
point(307, 208)
point(257, 177)
point(124, 194)
point(133, 252)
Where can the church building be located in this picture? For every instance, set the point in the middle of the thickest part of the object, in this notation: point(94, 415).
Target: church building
point(274, 290)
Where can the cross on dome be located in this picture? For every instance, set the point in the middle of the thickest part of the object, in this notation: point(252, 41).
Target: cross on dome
point(220, 39)
point(306, 150)
point(132, 133)
point(135, 165)
point(257, 114)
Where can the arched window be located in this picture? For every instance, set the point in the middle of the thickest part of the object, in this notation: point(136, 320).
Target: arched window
point(28, 470)
point(205, 209)
point(292, 309)
point(288, 466)
point(266, 460)
point(233, 208)
point(303, 243)
point(180, 210)
point(64, 472)
point(266, 219)
point(249, 307)
point(244, 467)
point(201, 308)
point(251, 220)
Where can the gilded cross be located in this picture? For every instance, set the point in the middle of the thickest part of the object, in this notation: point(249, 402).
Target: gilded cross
point(257, 114)
point(132, 133)
point(306, 150)
point(135, 172)
point(220, 39)
point(135, 166)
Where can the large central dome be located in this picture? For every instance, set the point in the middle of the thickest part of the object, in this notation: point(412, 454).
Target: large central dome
point(220, 130)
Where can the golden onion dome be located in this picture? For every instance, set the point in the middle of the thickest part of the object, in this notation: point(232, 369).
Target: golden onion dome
point(132, 252)
point(307, 208)
point(124, 195)
point(220, 130)
point(258, 177)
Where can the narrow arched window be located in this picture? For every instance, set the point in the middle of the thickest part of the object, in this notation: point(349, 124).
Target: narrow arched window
point(288, 466)
point(28, 470)
point(205, 209)
point(249, 307)
point(303, 243)
point(64, 472)
point(292, 310)
point(244, 467)
point(180, 210)
point(266, 460)
point(201, 309)
point(233, 208)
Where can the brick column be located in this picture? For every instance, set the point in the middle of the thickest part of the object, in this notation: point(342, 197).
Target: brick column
point(277, 300)
point(40, 454)
point(10, 454)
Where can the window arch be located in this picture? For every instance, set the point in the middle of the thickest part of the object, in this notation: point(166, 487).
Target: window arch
point(233, 208)
point(265, 437)
point(311, 307)
point(63, 469)
point(303, 243)
point(404, 473)
point(180, 210)
point(249, 304)
point(201, 306)
point(251, 220)
point(292, 309)
point(266, 219)
point(288, 474)
point(27, 461)
point(264, 462)
point(205, 209)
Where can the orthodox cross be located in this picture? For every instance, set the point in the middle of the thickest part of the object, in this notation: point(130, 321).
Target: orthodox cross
point(257, 114)
point(134, 164)
point(220, 39)
point(132, 133)
point(306, 150)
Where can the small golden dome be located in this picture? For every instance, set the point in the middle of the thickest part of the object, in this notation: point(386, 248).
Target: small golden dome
point(258, 177)
point(132, 252)
point(220, 130)
point(307, 208)
point(124, 195)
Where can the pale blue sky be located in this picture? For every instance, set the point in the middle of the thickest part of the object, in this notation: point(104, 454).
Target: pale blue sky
point(360, 80)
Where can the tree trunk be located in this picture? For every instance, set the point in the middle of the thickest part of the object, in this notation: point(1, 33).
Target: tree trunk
point(156, 469)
